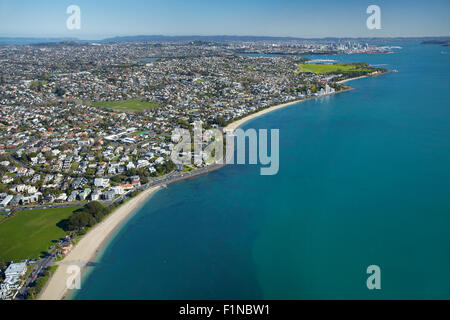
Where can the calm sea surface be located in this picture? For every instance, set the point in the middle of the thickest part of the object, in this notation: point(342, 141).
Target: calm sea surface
point(364, 179)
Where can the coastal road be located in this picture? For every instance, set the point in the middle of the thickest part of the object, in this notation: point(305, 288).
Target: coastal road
point(38, 268)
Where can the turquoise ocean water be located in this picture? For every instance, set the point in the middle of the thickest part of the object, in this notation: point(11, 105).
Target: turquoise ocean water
point(364, 179)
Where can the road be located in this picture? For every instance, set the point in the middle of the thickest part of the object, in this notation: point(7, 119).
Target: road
point(38, 268)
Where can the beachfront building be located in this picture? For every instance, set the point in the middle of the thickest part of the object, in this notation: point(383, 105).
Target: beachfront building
point(95, 195)
point(127, 186)
point(7, 288)
point(84, 194)
point(328, 89)
point(31, 198)
point(66, 249)
point(12, 283)
point(109, 195)
point(16, 269)
point(117, 190)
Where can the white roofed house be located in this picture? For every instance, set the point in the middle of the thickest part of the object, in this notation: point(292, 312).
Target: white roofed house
point(118, 190)
point(12, 283)
point(31, 189)
point(101, 182)
point(73, 196)
point(142, 163)
point(16, 269)
point(95, 195)
point(31, 198)
point(84, 194)
point(130, 165)
point(160, 160)
point(113, 169)
point(12, 169)
point(7, 179)
point(5, 163)
point(61, 198)
point(6, 201)
point(18, 188)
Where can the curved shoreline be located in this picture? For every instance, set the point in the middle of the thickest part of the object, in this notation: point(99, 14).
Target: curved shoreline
point(236, 124)
point(88, 248)
point(350, 79)
point(90, 245)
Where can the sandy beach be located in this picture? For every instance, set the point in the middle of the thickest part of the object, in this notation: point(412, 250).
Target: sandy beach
point(236, 124)
point(346, 80)
point(90, 245)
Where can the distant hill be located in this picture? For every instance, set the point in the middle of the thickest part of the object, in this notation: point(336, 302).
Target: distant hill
point(228, 38)
point(443, 42)
point(12, 40)
point(219, 38)
point(213, 38)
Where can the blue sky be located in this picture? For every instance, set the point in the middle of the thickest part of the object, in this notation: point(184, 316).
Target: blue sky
point(299, 18)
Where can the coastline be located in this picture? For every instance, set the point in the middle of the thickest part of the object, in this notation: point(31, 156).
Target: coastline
point(236, 124)
point(88, 248)
point(346, 80)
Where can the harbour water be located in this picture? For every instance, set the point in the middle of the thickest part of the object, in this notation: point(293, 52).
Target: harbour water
point(364, 180)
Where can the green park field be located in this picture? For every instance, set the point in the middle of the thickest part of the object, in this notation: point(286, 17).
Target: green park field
point(31, 232)
point(333, 68)
point(125, 105)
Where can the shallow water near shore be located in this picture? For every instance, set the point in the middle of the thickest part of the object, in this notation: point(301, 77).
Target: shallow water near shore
point(364, 180)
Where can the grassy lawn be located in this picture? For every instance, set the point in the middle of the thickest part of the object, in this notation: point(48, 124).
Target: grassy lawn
point(30, 233)
point(333, 68)
point(125, 105)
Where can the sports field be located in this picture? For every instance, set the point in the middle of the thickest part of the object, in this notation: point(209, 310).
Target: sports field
point(333, 68)
point(30, 233)
point(125, 105)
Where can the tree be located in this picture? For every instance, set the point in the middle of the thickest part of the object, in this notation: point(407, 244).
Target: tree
point(60, 92)
point(80, 220)
point(31, 293)
point(88, 216)
point(96, 210)
point(58, 249)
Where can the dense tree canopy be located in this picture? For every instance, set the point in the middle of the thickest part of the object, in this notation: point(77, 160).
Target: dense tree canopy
point(92, 213)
